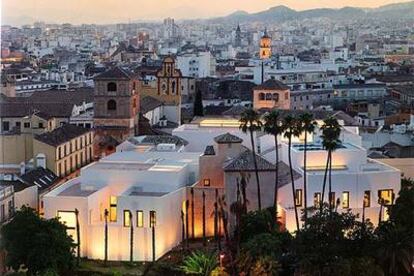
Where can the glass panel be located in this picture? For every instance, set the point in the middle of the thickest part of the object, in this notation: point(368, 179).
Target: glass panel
point(112, 214)
point(127, 220)
point(68, 218)
point(140, 218)
point(153, 218)
point(345, 200)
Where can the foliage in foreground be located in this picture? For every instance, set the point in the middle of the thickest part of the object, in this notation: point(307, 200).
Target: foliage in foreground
point(41, 246)
point(199, 263)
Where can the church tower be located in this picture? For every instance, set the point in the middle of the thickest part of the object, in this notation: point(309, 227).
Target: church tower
point(116, 108)
point(169, 82)
point(265, 46)
point(237, 40)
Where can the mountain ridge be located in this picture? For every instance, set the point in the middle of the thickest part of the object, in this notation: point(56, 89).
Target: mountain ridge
point(403, 10)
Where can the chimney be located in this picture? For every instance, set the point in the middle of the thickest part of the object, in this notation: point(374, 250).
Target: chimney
point(41, 160)
point(22, 168)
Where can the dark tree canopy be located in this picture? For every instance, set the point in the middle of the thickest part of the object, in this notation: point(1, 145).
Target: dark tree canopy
point(198, 104)
point(37, 244)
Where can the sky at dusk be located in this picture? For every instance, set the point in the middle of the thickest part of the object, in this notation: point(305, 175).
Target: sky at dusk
point(113, 11)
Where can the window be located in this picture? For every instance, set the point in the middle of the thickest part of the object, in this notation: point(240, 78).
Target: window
point(316, 199)
point(111, 105)
point(41, 125)
point(173, 87)
point(127, 218)
point(367, 199)
point(113, 201)
point(269, 96)
point(68, 218)
point(332, 199)
point(6, 126)
point(153, 219)
point(140, 218)
point(276, 97)
point(18, 124)
point(261, 96)
point(386, 196)
point(207, 182)
point(111, 87)
point(298, 195)
point(345, 200)
point(286, 96)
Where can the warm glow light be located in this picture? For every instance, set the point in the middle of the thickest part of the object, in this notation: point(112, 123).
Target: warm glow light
point(219, 123)
point(321, 168)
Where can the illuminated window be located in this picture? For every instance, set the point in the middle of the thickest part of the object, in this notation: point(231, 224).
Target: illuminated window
point(153, 218)
point(367, 199)
point(332, 199)
point(316, 199)
point(112, 208)
point(140, 218)
point(127, 218)
point(207, 182)
point(386, 196)
point(68, 218)
point(345, 200)
point(298, 197)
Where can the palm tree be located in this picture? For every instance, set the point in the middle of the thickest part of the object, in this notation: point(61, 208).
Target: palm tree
point(244, 179)
point(331, 131)
point(192, 212)
point(250, 122)
point(77, 237)
point(307, 125)
point(204, 218)
point(106, 213)
point(131, 238)
point(273, 126)
point(291, 129)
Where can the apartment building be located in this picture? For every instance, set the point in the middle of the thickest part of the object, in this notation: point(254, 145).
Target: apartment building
point(65, 149)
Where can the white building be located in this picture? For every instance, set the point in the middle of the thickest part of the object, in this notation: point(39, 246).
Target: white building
point(197, 65)
point(151, 177)
point(148, 182)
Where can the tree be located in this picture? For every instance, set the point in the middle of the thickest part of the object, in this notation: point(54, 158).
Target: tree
point(307, 125)
point(273, 126)
point(333, 242)
point(131, 238)
point(331, 131)
point(198, 104)
point(199, 263)
point(290, 125)
point(402, 212)
point(39, 245)
point(106, 214)
point(204, 218)
point(250, 122)
point(395, 249)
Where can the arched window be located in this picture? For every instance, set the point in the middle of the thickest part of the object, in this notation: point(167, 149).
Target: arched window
point(111, 105)
point(173, 88)
point(111, 87)
point(276, 97)
point(261, 96)
point(268, 96)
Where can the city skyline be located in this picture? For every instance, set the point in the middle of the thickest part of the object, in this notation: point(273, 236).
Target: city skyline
point(78, 12)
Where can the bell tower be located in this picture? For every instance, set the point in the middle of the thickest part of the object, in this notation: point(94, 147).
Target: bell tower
point(265, 46)
point(116, 108)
